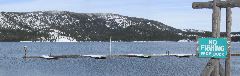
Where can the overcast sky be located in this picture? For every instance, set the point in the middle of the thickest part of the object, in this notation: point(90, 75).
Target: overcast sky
point(175, 13)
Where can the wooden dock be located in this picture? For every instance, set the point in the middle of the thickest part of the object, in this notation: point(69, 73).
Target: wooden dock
point(115, 56)
point(121, 55)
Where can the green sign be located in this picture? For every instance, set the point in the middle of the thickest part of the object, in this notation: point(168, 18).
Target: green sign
point(212, 47)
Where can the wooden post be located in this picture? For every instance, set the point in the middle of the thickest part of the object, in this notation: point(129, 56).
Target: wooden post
point(216, 5)
point(228, 31)
point(209, 67)
point(168, 53)
point(216, 20)
point(216, 31)
point(196, 45)
point(25, 52)
point(212, 67)
point(221, 70)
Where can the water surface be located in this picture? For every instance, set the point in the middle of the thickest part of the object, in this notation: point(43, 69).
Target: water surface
point(13, 65)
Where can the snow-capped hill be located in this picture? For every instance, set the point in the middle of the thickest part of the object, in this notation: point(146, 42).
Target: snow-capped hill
point(56, 36)
point(82, 26)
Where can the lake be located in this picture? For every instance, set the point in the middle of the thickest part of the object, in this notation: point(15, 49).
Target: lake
point(11, 63)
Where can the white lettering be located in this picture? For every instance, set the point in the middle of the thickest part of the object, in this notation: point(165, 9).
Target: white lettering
point(212, 48)
point(202, 53)
point(214, 42)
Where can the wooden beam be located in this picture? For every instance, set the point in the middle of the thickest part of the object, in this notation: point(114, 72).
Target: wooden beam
point(221, 4)
point(201, 5)
point(234, 1)
point(226, 4)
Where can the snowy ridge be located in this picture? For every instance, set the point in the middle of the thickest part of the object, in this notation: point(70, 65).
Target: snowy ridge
point(81, 26)
point(57, 37)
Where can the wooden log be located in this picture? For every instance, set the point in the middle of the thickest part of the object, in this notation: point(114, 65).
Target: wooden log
point(216, 29)
point(226, 4)
point(215, 20)
point(197, 46)
point(221, 70)
point(221, 4)
point(200, 5)
point(215, 72)
point(212, 68)
point(235, 1)
point(209, 67)
point(228, 31)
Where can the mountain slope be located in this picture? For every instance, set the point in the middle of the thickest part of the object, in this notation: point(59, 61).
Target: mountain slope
point(16, 26)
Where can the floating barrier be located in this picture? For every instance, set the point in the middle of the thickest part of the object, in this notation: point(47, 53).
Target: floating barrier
point(48, 57)
point(96, 56)
point(115, 56)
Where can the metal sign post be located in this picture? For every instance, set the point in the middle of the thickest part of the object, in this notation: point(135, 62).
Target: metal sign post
point(212, 67)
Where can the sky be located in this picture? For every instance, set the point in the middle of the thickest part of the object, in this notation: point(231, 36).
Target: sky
point(175, 13)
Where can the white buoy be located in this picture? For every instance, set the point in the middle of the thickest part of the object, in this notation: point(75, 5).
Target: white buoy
point(110, 46)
